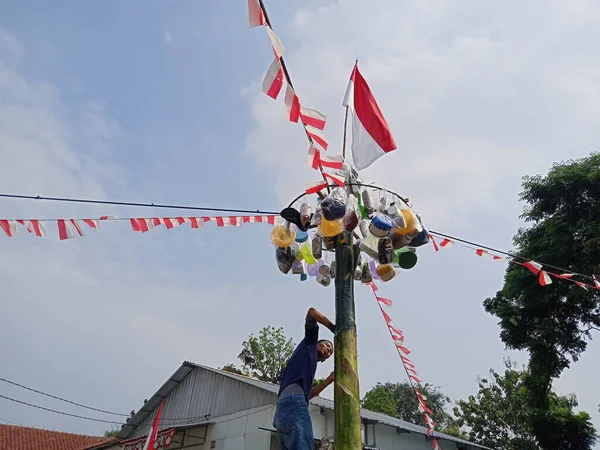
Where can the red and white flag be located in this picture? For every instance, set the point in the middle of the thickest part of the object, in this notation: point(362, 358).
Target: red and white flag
point(313, 118)
point(371, 135)
point(317, 136)
point(276, 43)
point(292, 104)
point(256, 17)
point(149, 445)
point(315, 159)
point(34, 227)
point(273, 81)
point(9, 227)
point(68, 229)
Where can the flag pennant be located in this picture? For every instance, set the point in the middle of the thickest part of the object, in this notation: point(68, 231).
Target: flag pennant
point(196, 222)
point(581, 285)
point(446, 243)
point(371, 135)
point(544, 278)
point(313, 158)
point(273, 81)
point(435, 246)
point(292, 104)
point(92, 223)
point(9, 227)
point(563, 276)
point(313, 118)
point(384, 301)
point(316, 187)
point(481, 252)
point(34, 227)
point(332, 162)
point(335, 178)
point(256, 16)
point(68, 229)
point(317, 136)
point(435, 444)
point(533, 266)
point(276, 43)
point(151, 441)
point(596, 282)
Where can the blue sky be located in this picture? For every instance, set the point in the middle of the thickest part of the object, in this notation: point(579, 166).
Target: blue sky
point(161, 102)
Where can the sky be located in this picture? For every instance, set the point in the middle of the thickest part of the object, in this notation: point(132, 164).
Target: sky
point(160, 102)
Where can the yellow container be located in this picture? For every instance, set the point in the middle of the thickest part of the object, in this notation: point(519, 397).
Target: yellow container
point(283, 237)
point(330, 228)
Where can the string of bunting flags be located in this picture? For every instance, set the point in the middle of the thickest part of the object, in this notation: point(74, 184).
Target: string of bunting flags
point(413, 377)
point(72, 228)
point(544, 275)
point(312, 120)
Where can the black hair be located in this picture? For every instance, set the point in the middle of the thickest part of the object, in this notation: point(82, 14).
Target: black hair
point(325, 340)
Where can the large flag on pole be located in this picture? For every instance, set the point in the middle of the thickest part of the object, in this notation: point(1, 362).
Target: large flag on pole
point(149, 445)
point(371, 135)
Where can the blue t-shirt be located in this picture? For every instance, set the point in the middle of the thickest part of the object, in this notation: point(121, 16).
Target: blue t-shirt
point(302, 366)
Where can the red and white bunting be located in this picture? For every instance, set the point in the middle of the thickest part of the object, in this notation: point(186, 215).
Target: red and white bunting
point(446, 243)
point(317, 136)
point(535, 267)
point(34, 227)
point(256, 16)
point(435, 445)
point(398, 339)
point(596, 282)
point(435, 245)
point(68, 229)
point(292, 104)
point(481, 252)
point(273, 81)
point(276, 43)
point(9, 227)
point(315, 187)
point(313, 118)
point(544, 278)
point(314, 159)
point(335, 178)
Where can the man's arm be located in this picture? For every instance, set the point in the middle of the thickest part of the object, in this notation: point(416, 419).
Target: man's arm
point(320, 318)
point(321, 386)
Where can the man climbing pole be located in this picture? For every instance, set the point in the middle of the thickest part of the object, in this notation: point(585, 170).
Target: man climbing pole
point(292, 419)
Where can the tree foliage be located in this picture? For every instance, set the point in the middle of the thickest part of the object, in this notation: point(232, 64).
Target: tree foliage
point(553, 323)
point(264, 356)
point(399, 400)
point(499, 416)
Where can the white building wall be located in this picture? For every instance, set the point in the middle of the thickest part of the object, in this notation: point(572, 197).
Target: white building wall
point(248, 430)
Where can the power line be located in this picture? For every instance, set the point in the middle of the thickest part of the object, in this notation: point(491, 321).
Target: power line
point(511, 255)
point(63, 399)
point(248, 211)
point(143, 205)
point(59, 412)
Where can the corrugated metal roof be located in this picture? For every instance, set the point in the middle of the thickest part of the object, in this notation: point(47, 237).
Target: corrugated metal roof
point(143, 415)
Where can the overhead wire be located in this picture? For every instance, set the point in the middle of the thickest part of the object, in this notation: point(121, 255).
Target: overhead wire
point(258, 211)
point(62, 399)
point(59, 412)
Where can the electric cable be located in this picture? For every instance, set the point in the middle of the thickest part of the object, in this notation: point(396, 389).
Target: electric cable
point(59, 412)
point(62, 399)
point(258, 211)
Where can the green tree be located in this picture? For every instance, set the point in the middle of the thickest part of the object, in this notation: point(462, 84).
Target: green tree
point(264, 356)
point(111, 433)
point(499, 416)
point(231, 368)
point(553, 323)
point(399, 400)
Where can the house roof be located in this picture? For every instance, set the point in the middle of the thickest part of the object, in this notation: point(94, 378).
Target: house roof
point(188, 366)
point(25, 438)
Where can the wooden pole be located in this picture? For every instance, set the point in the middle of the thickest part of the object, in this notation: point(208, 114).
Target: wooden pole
point(345, 130)
point(346, 393)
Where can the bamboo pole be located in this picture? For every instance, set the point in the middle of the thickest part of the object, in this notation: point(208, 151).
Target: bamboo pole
point(346, 393)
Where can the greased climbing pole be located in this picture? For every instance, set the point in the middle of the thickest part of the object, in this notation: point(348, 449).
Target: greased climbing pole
point(346, 397)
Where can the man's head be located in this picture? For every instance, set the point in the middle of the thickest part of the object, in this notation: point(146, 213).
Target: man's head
point(324, 349)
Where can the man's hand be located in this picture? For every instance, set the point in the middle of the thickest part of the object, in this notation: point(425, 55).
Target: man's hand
point(320, 318)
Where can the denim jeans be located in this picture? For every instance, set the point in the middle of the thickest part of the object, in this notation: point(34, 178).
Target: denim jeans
point(293, 424)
